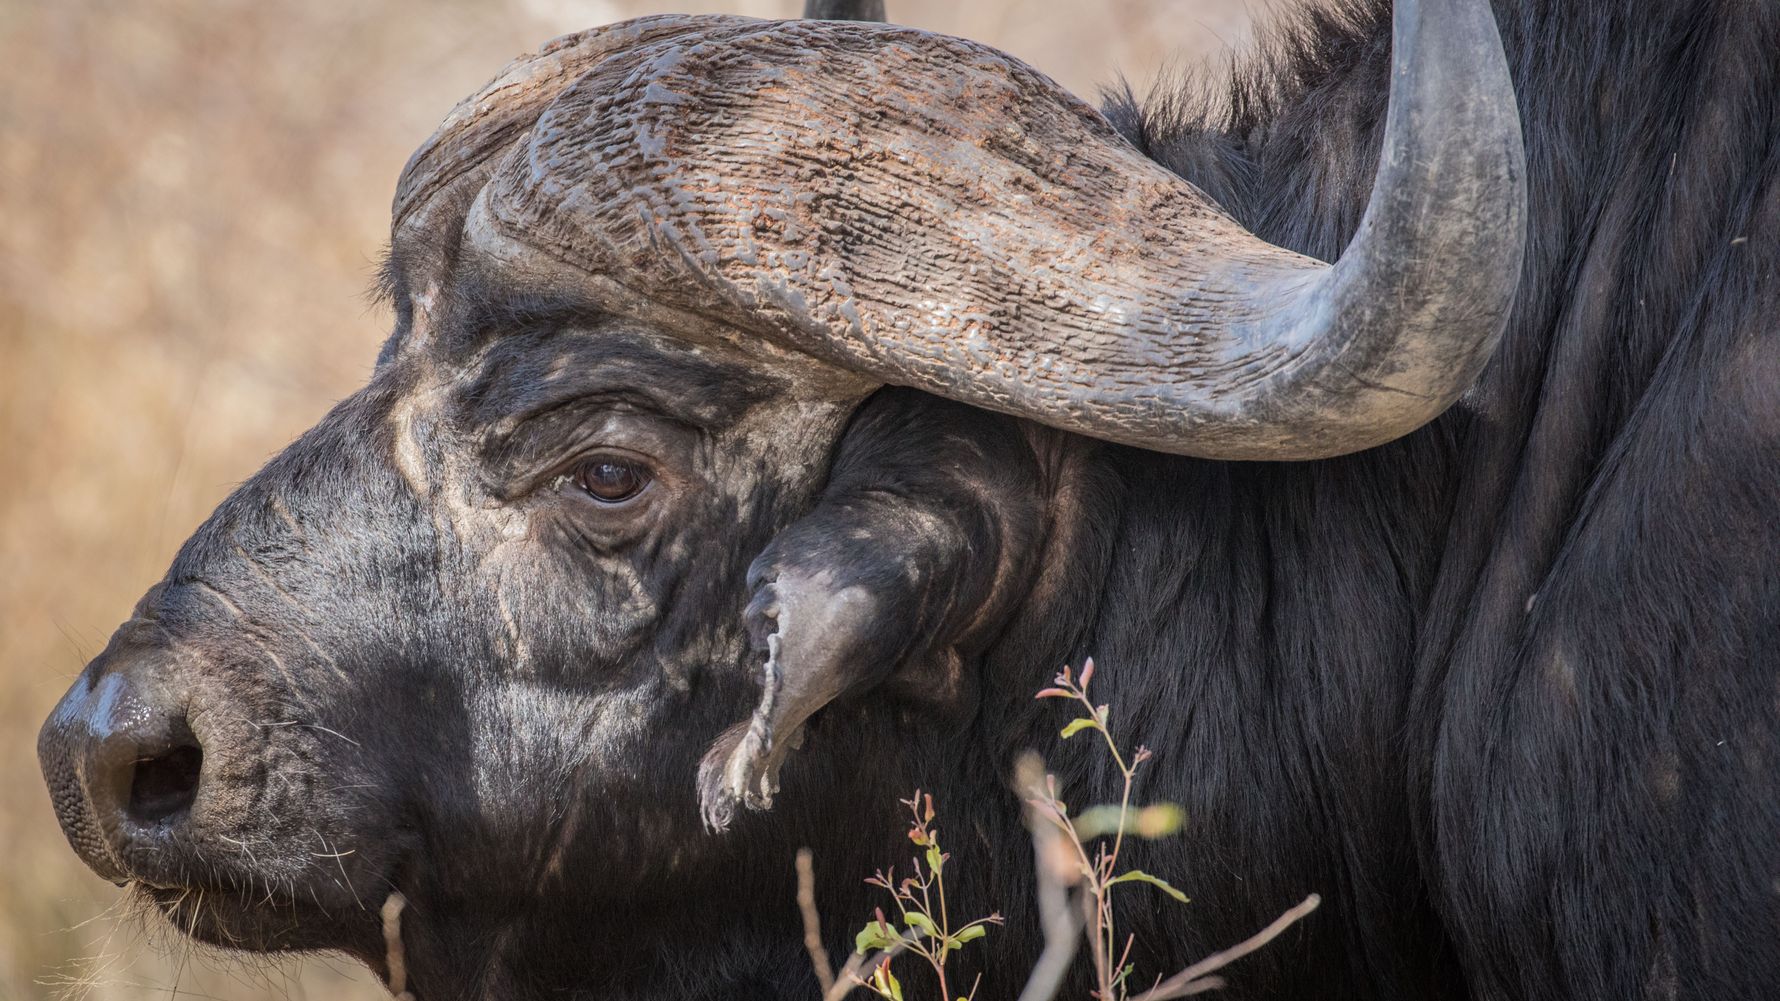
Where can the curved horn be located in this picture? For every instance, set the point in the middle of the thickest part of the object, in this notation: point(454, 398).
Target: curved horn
point(933, 213)
point(844, 10)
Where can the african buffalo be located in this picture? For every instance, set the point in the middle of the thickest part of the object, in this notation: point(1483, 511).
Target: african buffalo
point(772, 407)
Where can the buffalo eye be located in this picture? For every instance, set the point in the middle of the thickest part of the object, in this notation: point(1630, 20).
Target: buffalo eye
point(611, 480)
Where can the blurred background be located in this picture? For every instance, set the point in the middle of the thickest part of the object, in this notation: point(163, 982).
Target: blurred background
point(193, 194)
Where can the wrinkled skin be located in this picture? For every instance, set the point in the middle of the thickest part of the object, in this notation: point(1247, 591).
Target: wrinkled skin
point(1501, 691)
point(416, 623)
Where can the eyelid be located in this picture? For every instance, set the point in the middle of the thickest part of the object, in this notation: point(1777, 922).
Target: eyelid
point(521, 464)
point(568, 477)
point(551, 467)
point(564, 470)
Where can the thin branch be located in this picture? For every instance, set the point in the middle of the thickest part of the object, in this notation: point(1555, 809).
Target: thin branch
point(812, 923)
point(1093, 901)
point(1062, 925)
point(394, 956)
point(1193, 979)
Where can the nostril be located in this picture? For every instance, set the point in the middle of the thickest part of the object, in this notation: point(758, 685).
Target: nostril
point(122, 761)
point(163, 787)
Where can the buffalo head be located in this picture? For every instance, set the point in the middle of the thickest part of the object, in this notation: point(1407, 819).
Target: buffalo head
point(524, 626)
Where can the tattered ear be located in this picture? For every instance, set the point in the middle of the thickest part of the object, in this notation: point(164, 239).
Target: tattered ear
point(820, 638)
point(903, 560)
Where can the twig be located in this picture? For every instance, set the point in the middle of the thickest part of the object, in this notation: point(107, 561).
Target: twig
point(1193, 979)
point(1062, 925)
point(394, 955)
point(812, 923)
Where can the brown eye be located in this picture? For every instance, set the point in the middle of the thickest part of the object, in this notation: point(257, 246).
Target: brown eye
point(611, 480)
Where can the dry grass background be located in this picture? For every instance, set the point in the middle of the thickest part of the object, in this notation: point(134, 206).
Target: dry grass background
point(192, 195)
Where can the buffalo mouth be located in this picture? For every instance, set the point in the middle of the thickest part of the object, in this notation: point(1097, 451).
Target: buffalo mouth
point(247, 835)
point(245, 888)
point(240, 920)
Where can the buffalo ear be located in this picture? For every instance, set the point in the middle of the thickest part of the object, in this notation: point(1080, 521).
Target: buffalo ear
point(930, 509)
point(821, 638)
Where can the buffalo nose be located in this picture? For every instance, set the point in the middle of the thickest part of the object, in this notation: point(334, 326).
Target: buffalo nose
point(121, 762)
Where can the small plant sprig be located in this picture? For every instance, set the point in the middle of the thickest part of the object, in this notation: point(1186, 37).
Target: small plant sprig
point(920, 901)
point(1097, 869)
point(1075, 887)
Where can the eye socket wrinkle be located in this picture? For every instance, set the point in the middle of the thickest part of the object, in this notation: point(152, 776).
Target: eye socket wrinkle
point(535, 448)
point(477, 311)
point(529, 374)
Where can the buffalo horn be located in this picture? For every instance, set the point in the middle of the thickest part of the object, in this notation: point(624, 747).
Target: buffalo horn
point(925, 211)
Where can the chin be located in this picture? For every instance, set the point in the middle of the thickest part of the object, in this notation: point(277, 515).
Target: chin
point(267, 922)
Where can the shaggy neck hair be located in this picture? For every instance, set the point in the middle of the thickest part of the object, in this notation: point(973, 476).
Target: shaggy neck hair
point(1478, 679)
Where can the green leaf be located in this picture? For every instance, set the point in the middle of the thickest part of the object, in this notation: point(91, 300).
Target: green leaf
point(970, 933)
point(1077, 726)
point(886, 984)
point(935, 861)
point(1097, 822)
point(915, 919)
point(1139, 876)
point(1159, 820)
point(873, 937)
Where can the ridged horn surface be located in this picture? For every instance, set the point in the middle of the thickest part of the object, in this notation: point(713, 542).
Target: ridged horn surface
point(930, 212)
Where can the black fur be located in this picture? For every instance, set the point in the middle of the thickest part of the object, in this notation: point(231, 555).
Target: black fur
point(1574, 661)
point(1504, 692)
